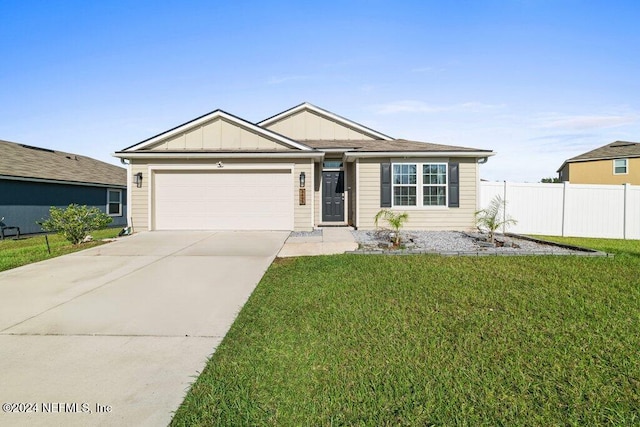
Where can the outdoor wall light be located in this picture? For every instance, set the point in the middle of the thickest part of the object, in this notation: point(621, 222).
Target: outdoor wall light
point(220, 164)
point(302, 179)
point(137, 179)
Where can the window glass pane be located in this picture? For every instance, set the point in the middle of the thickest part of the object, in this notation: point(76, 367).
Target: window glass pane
point(404, 174)
point(114, 208)
point(434, 174)
point(114, 197)
point(332, 164)
point(404, 196)
point(434, 196)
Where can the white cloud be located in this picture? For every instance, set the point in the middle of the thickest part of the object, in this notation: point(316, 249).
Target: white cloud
point(588, 122)
point(410, 106)
point(284, 79)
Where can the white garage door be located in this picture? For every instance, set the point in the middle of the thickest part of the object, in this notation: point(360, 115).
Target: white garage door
point(223, 200)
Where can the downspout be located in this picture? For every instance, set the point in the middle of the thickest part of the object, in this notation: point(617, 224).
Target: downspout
point(129, 190)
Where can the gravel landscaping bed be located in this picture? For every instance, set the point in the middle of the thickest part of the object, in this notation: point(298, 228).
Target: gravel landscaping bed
point(457, 243)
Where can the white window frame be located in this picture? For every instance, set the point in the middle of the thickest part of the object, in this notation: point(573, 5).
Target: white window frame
point(626, 166)
point(394, 185)
point(115, 190)
point(445, 185)
point(419, 185)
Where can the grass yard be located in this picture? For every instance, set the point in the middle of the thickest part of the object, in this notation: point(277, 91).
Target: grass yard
point(430, 340)
point(30, 249)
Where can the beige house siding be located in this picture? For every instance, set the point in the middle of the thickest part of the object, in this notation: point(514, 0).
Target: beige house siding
point(350, 171)
point(317, 195)
point(141, 202)
point(309, 125)
point(139, 197)
point(601, 172)
point(431, 218)
point(218, 134)
point(303, 214)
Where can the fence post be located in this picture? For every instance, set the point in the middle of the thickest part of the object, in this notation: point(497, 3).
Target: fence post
point(564, 206)
point(625, 206)
point(504, 207)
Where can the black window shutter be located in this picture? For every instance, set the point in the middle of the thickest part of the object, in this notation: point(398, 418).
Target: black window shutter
point(385, 185)
point(454, 185)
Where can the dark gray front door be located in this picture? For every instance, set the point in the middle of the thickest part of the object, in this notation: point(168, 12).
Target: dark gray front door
point(333, 196)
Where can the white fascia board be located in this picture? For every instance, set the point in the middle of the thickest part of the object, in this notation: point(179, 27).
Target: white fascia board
point(214, 115)
point(407, 154)
point(214, 155)
point(328, 114)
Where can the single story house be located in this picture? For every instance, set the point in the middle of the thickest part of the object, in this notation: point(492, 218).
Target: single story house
point(302, 168)
point(615, 163)
point(32, 179)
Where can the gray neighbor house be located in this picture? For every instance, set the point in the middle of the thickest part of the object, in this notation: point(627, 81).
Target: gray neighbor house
point(32, 179)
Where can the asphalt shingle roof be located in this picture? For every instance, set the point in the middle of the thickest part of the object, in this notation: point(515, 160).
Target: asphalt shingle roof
point(382, 145)
point(20, 160)
point(618, 149)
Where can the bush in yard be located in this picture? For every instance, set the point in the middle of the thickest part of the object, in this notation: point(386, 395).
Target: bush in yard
point(491, 218)
point(75, 222)
point(395, 219)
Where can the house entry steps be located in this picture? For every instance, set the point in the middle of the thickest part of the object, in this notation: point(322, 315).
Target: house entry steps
point(333, 240)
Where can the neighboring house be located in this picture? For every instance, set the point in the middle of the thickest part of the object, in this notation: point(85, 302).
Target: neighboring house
point(302, 168)
point(615, 163)
point(32, 179)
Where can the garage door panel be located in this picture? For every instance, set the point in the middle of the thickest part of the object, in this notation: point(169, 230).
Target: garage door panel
point(225, 200)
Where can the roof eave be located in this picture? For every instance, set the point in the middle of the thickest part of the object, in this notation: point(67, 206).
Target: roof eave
point(216, 155)
point(62, 182)
point(370, 154)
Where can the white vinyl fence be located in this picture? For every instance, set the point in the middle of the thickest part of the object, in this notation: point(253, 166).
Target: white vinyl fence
point(577, 210)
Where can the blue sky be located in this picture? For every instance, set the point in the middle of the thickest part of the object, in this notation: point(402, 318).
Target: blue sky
point(537, 81)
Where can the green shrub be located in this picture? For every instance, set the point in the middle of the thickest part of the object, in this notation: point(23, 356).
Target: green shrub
point(395, 220)
point(75, 222)
point(492, 217)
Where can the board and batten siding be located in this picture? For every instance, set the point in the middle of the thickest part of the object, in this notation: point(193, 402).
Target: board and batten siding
point(141, 203)
point(427, 218)
point(218, 134)
point(308, 125)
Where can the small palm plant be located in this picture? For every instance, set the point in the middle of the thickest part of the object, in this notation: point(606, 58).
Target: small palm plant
point(490, 218)
point(395, 220)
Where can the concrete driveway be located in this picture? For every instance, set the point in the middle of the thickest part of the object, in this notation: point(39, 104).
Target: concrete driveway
point(115, 335)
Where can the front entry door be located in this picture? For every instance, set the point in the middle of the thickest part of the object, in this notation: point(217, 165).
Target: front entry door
point(333, 196)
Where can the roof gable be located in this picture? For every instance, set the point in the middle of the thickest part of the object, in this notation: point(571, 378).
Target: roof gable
point(35, 163)
point(217, 131)
point(308, 122)
point(615, 150)
point(611, 151)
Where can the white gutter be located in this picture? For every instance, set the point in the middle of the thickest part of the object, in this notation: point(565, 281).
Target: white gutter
point(191, 155)
point(370, 154)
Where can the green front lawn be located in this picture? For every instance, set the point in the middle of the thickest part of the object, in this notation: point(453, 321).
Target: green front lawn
point(430, 340)
point(27, 250)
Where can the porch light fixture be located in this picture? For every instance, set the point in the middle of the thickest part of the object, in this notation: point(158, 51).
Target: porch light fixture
point(137, 179)
point(302, 179)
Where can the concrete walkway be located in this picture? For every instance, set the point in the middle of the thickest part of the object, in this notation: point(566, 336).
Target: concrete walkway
point(334, 240)
point(115, 335)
